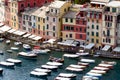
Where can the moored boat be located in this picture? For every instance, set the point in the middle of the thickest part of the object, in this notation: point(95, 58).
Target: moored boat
point(77, 66)
point(109, 62)
point(62, 78)
point(29, 55)
point(42, 70)
point(54, 59)
point(67, 75)
point(8, 41)
point(89, 78)
point(40, 51)
point(106, 65)
point(49, 67)
point(54, 63)
point(39, 74)
point(26, 46)
point(7, 64)
point(83, 63)
point(1, 52)
point(98, 71)
point(74, 69)
point(10, 51)
point(94, 74)
point(16, 61)
point(14, 48)
point(71, 55)
point(83, 54)
point(88, 60)
point(1, 39)
point(17, 43)
point(101, 68)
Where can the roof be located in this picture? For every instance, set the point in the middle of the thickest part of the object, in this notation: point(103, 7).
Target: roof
point(101, 1)
point(114, 4)
point(89, 46)
point(57, 4)
point(117, 49)
point(70, 14)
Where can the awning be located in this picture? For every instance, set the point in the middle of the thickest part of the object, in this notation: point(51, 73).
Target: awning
point(1, 32)
point(32, 36)
point(26, 35)
point(89, 46)
point(106, 48)
point(37, 38)
point(18, 32)
point(98, 3)
point(5, 28)
point(117, 49)
point(51, 41)
point(11, 31)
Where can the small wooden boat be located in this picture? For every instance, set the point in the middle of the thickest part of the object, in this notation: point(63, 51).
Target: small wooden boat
point(98, 71)
point(17, 43)
point(1, 52)
point(30, 55)
point(106, 66)
point(49, 67)
point(83, 64)
point(16, 61)
point(101, 68)
point(10, 51)
point(77, 66)
point(87, 60)
point(62, 78)
point(94, 74)
point(7, 64)
point(8, 41)
point(109, 62)
point(54, 59)
point(39, 74)
point(67, 75)
point(83, 54)
point(42, 70)
point(26, 46)
point(71, 55)
point(74, 69)
point(14, 48)
point(54, 63)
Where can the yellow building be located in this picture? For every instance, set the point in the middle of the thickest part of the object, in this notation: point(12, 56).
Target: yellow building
point(54, 18)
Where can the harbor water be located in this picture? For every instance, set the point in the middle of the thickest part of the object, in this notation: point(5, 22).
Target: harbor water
point(23, 72)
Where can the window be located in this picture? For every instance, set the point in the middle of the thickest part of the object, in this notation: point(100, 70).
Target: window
point(97, 34)
point(47, 18)
point(92, 40)
point(38, 32)
point(64, 10)
point(80, 29)
point(113, 9)
point(92, 33)
point(87, 33)
point(23, 22)
point(54, 34)
point(47, 33)
point(97, 27)
point(22, 5)
point(43, 20)
point(39, 19)
point(109, 40)
point(108, 32)
point(38, 26)
point(28, 5)
point(71, 20)
point(92, 26)
point(51, 10)
point(47, 26)
point(80, 35)
point(34, 4)
point(70, 35)
point(66, 20)
point(66, 36)
point(55, 11)
point(103, 40)
point(53, 19)
point(53, 28)
point(84, 30)
point(97, 41)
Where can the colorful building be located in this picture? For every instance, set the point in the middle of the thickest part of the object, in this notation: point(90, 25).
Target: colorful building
point(94, 22)
point(111, 24)
point(54, 18)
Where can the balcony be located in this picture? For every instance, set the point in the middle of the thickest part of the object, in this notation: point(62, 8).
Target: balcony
point(96, 9)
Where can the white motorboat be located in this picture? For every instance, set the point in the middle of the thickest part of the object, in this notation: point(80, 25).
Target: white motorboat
point(7, 64)
point(71, 55)
point(39, 51)
point(54, 63)
point(49, 67)
point(14, 48)
point(30, 55)
point(88, 60)
point(17, 43)
point(94, 74)
point(82, 63)
point(10, 51)
point(16, 61)
point(1, 52)
point(90, 78)
point(74, 69)
point(98, 71)
point(26, 46)
point(38, 74)
point(67, 75)
point(62, 78)
point(101, 68)
point(8, 41)
point(77, 66)
point(42, 70)
point(106, 65)
point(109, 62)
point(83, 54)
